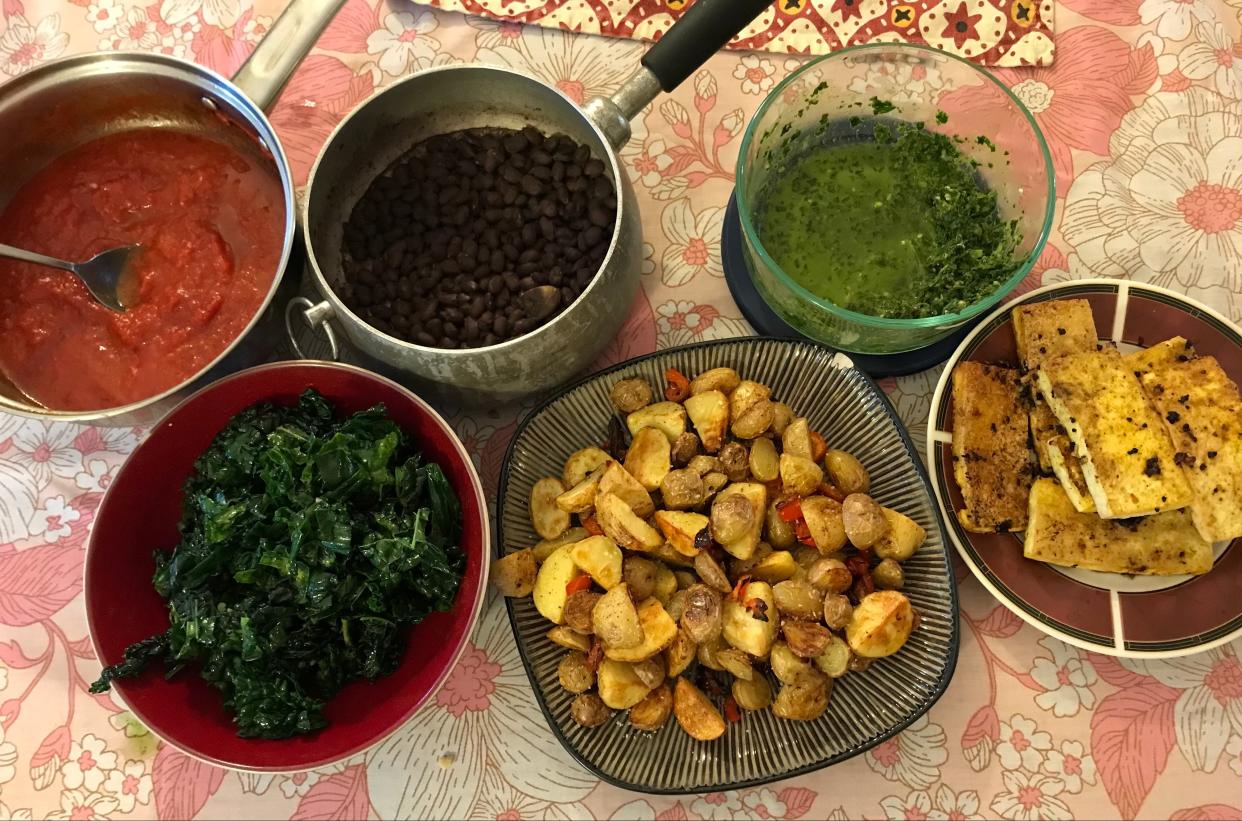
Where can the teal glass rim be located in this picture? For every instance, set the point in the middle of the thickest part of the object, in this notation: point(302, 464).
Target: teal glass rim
point(987, 303)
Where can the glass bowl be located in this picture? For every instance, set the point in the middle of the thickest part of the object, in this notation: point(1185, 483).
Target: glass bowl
point(814, 107)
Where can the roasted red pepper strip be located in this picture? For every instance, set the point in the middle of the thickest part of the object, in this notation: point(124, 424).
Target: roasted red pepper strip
point(731, 710)
point(818, 447)
point(677, 387)
point(577, 583)
point(790, 510)
point(739, 589)
point(803, 533)
point(595, 655)
point(590, 525)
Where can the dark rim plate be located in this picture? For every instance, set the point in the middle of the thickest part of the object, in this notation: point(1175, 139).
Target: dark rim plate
point(1110, 613)
point(866, 708)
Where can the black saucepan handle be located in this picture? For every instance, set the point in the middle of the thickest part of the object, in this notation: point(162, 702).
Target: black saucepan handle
point(698, 34)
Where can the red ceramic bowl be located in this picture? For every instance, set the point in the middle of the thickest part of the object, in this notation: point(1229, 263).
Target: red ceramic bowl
point(139, 514)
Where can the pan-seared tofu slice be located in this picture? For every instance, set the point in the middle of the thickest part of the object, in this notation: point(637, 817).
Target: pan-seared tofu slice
point(1044, 330)
point(1159, 355)
point(1203, 413)
point(1125, 452)
point(991, 458)
point(1161, 545)
point(1043, 431)
point(1068, 471)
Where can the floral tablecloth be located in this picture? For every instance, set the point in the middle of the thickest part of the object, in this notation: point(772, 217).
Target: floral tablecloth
point(1143, 109)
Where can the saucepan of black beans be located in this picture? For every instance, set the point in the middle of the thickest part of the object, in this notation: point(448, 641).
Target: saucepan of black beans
point(471, 227)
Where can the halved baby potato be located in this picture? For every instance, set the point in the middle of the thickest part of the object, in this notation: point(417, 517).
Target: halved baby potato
point(681, 529)
point(549, 593)
point(823, 519)
point(621, 524)
point(796, 440)
point(747, 393)
point(752, 629)
point(582, 463)
point(716, 379)
point(547, 547)
point(904, 537)
point(548, 520)
point(600, 557)
point(658, 632)
point(709, 411)
point(775, 567)
point(621, 483)
point(800, 475)
point(649, 458)
point(667, 417)
point(514, 575)
point(880, 624)
point(619, 686)
point(695, 712)
point(581, 496)
point(615, 619)
point(757, 494)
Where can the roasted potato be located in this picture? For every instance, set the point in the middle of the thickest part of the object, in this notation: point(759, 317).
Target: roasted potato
point(713, 482)
point(682, 489)
point(777, 567)
point(681, 529)
point(754, 422)
point(619, 686)
point(712, 574)
point(752, 623)
point(805, 638)
point(846, 472)
point(685, 579)
point(734, 461)
point(754, 694)
point(888, 575)
point(651, 672)
point(746, 394)
point(837, 611)
point(667, 417)
point(582, 463)
point(581, 497)
point(701, 614)
point(658, 632)
point(804, 700)
point(549, 592)
point(741, 567)
point(903, 538)
point(618, 481)
point(736, 663)
point(649, 458)
point(547, 547)
point(776, 531)
point(709, 413)
point(707, 653)
point(834, 660)
point(684, 448)
point(824, 519)
point(665, 582)
point(653, 711)
point(799, 475)
point(798, 598)
point(569, 639)
point(724, 380)
point(600, 558)
point(615, 620)
point(640, 575)
point(621, 524)
point(514, 574)
point(796, 440)
point(765, 462)
point(574, 673)
point(679, 654)
point(548, 520)
point(781, 417)
point(787, 665)
point(880, 624)
point(704, 464)
point(830, 575)
point(589, 710)
point(629, 395)
point(578, 611)
point(863, 520)
point(740, 524)
point(695, 712)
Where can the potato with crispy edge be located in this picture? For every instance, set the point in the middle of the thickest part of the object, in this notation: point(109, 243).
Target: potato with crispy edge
point(615, 619)
point(548, 520)
point(514, 575)
point(695, 712)
point(599, 558)
point(619, 686)
point(903, 539)
point(649, 458)
point(667, 417)
point(658, 632)
point(679, 653)
point(582, 463)
point(709, 413)
point(581, 497)
point(621, 524)
point(880, 624)
point(681, 529)
point(724, 380)
point(652, 712)
point(620, 483)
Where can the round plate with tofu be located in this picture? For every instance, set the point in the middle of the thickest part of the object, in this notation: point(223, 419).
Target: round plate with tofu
point(724, 566)
point(1085, 443)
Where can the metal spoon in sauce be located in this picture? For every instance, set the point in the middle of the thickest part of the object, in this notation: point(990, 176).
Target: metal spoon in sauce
point(101, 274)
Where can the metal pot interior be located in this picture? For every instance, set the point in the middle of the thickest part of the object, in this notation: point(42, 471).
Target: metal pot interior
point(65, 104)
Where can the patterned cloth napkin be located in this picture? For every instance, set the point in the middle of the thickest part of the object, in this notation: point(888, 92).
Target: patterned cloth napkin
point(991, 32)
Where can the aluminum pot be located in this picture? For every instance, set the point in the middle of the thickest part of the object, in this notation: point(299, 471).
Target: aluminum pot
point(59, 106)
point(450, 98)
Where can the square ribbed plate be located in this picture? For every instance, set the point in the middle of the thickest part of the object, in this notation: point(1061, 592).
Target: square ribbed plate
point(849, 410)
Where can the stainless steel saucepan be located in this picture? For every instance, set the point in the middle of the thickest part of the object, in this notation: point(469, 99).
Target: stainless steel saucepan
point(446, 99)
point(59, 106)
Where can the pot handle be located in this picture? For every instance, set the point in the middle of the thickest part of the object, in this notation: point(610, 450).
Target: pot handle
point(287, 42)
point(698, 34)
point(315, 316)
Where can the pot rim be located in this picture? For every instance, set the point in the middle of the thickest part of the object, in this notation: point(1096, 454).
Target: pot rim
point(356, 324)
point(269, 140)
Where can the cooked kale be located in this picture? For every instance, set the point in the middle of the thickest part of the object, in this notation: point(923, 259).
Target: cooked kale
point(309, 545)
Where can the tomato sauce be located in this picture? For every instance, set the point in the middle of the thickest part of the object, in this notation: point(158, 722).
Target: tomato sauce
point(210, 222)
